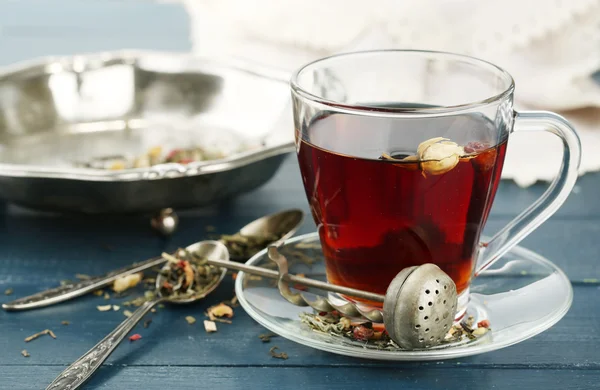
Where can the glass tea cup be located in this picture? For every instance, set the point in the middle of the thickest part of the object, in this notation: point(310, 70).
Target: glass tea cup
point(401, 153)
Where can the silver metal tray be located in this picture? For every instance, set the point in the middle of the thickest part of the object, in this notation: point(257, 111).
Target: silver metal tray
point(56, 111)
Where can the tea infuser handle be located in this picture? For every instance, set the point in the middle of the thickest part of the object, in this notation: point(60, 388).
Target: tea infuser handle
point(551, 199)
point(83, 368)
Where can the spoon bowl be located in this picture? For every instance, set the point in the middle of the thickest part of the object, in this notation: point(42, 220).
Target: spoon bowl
point(205, 249)
point(83, 368)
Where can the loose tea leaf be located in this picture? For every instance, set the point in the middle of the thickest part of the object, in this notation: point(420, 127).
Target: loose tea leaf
point(106, 296)
point(65, 323)
point(278, 355)
point(266, 337)
point(147, 323)
point(8, 291)
point(43, 332)
point(127, 313)
point(98, 293)
point(115, 307)
point(190, 320)
point(187, 274)
point(25, 353)
point(218, 311)
point(83, 276)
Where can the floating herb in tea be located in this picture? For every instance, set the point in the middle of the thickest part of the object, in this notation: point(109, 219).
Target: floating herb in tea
point(278, 355)
point(39, 334)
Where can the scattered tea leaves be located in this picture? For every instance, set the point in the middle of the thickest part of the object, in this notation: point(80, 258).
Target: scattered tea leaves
point(8, 291)
point(104, 307)
point(83, 276)
point(190, 320)
point(106, 296)
point(135, 337)
point(278, 355)
point(25, 353)
point(153, 310)
point(244, 247)
point(210, 326)
point(266, 337)
point(65, 323)
point(42, 333)
point(147, 323)
point(127, 282)
point(98, 293)
point(116, 307)
point(127, 313)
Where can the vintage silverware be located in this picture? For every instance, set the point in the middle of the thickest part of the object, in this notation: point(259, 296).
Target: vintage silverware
point(58, 111)
point(283, 224)
point(418, 308)
point(81, 370)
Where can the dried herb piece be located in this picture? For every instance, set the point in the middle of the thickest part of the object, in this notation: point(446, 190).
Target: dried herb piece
point(210, 228)
point(210, 326)
point(278, 355)
point(244, 246)
point(266, 337)
point(187, 274)
point(43, 332)
point(65, 323)
point(147, 323)
point(190, 320)
point(127, 282)
point(98, 293)
point(116, 307)
point(25, 353)
point(83, 276)
point(104, 308)
point(8, 291)
point(219, 311)
point(135, 337)
point(106, 296)
point(127, 313)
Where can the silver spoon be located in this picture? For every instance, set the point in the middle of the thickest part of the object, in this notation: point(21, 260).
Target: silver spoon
point(83, 368)
point(283, 224)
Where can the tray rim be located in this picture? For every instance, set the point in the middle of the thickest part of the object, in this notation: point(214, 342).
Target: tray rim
point(185, 62)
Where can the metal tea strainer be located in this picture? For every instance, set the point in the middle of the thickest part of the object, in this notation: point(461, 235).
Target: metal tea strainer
point(418, 307)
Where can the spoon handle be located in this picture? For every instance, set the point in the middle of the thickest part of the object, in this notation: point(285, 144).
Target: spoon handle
point(83, 368)
point(73, 290)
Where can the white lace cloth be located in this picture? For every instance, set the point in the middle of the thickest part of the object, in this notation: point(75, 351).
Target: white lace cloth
point(551, 48)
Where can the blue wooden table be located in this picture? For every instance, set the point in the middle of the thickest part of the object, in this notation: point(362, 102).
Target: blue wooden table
point(38, 249)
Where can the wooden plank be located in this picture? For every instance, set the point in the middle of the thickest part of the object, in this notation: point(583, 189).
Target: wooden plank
point(170, 340)
point(289, 377)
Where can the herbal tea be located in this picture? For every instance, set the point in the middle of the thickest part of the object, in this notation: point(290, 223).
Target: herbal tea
point(398, 195)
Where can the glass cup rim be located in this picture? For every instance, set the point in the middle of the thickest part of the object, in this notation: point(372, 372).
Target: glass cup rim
point(412, 111)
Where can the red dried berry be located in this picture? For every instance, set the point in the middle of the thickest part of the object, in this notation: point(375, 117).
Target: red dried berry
point(135, 337)
point(483, 324)
point(362, 333)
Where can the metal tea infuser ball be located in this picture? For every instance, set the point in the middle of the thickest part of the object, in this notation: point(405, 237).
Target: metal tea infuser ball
point(418, 307)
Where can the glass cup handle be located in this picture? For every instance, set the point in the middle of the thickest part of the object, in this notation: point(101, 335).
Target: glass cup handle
point(551, 199)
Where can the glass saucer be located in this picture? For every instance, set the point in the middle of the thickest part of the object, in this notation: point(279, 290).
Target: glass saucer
point(522, 295)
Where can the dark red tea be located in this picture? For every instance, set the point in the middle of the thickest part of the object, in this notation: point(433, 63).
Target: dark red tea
point(376, 216)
